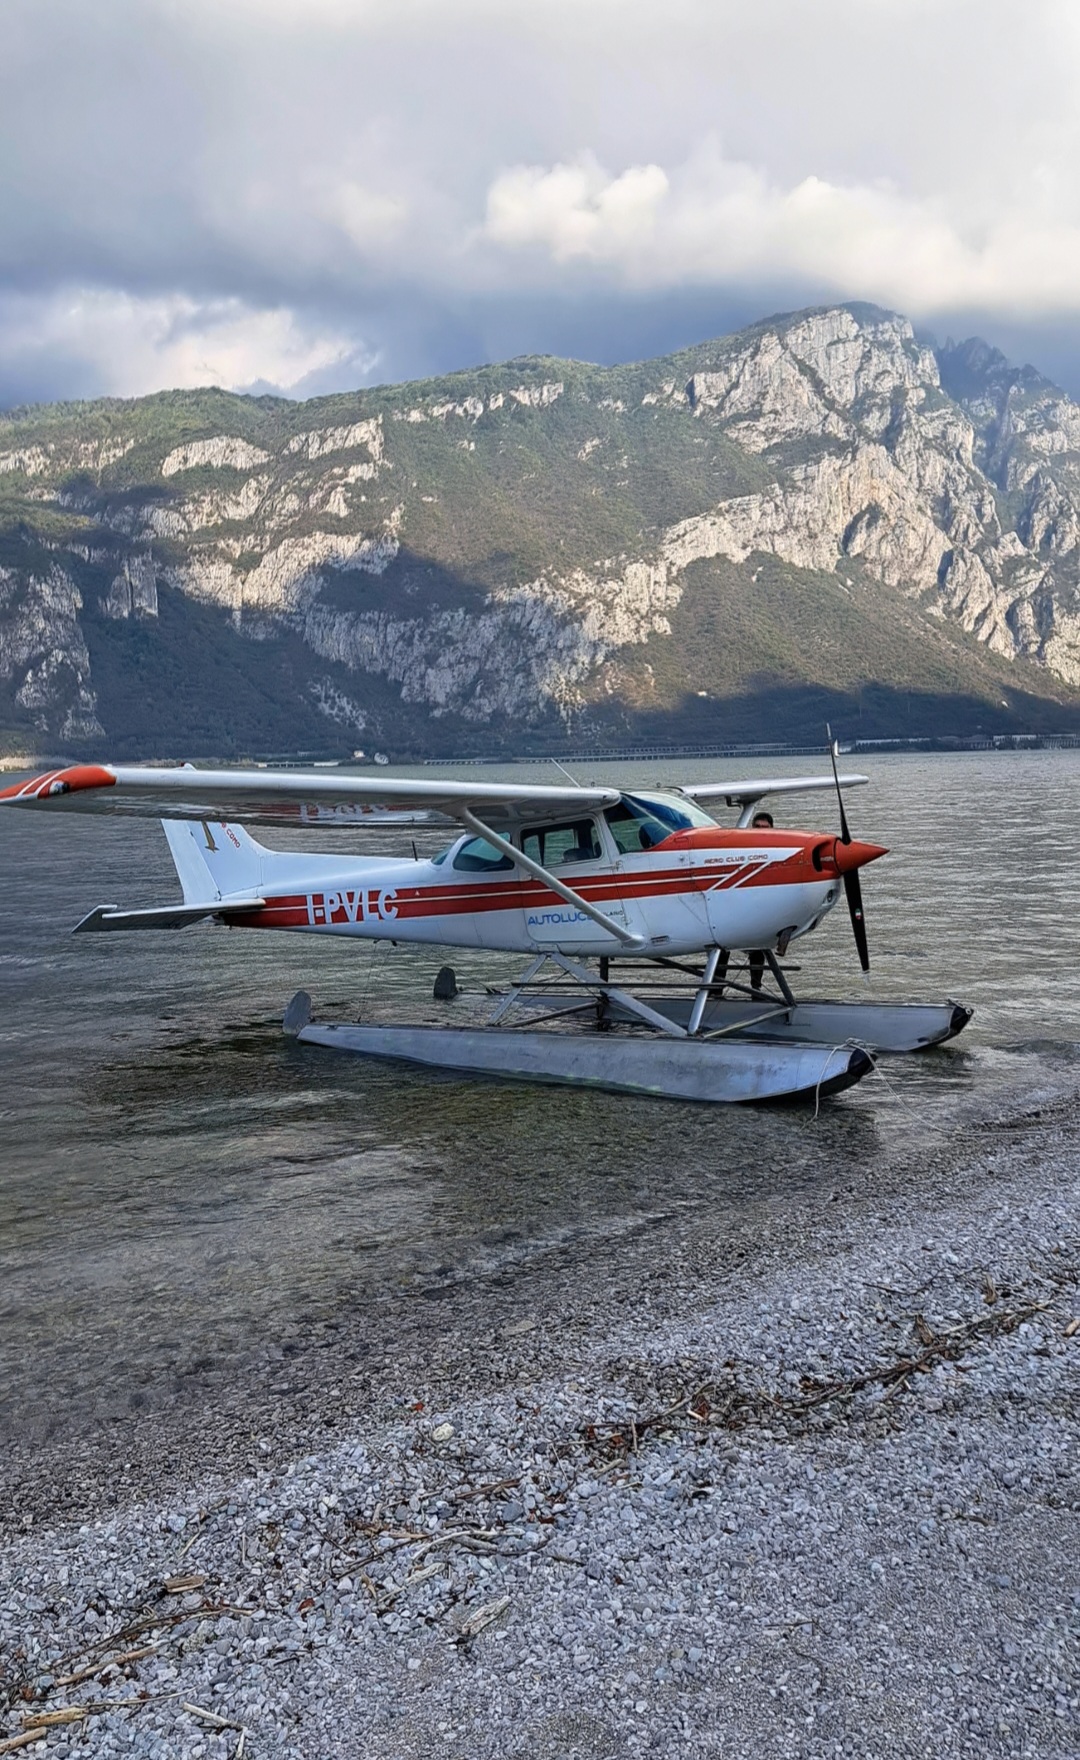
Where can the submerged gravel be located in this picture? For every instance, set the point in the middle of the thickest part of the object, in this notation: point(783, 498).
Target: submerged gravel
point(822, 1505)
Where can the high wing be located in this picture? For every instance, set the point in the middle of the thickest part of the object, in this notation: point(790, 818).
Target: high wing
point(291, 797)
point(745, 794)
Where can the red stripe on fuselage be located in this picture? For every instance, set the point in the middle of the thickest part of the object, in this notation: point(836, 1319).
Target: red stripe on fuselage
point(412, 903)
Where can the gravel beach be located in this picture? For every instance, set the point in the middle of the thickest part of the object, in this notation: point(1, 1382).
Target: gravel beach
point(807, 1487)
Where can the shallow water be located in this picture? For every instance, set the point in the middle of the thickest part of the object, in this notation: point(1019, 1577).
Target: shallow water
point(180, 1184)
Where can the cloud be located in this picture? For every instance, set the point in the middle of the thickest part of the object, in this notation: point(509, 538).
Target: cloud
point(278, 191)
point(578, 212)
point(714, 220)
point(125, 343)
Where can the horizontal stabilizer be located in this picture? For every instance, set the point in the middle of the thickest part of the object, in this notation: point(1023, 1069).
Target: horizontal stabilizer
point(169, 916)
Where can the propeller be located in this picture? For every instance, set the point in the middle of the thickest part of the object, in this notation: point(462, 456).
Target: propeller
point(852, 886)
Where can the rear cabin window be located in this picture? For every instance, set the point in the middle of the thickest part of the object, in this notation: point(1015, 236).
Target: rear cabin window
point(478, 857)
point(555, 846)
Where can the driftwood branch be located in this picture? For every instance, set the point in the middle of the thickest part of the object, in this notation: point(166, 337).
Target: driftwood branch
point(727, 1405)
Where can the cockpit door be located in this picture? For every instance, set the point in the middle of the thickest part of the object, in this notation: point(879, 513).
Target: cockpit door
point(655, 878)
point(574, 852)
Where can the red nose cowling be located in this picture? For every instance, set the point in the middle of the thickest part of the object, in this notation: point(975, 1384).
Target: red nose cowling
point(856, 855)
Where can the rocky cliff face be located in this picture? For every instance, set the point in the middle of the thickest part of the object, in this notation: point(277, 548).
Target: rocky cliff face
point(547, 543)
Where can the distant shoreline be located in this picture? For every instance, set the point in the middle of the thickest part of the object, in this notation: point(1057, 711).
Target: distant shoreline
point(932, 745)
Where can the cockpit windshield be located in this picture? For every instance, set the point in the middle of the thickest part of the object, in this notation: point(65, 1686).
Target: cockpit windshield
point(642, 820)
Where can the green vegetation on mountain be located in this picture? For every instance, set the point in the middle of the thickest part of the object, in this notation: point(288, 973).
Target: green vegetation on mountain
point(816, 515)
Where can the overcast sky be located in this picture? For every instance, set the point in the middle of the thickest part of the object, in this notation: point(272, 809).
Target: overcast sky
point(308, 195)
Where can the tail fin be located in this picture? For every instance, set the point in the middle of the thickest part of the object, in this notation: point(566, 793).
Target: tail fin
point(214, 861)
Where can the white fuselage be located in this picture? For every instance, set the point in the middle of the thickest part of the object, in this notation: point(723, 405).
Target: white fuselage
point(735, 889)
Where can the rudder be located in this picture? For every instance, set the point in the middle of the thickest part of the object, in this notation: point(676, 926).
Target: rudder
point(213, 860)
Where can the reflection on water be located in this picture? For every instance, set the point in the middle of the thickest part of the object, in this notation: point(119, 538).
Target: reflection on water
point(179, 1181)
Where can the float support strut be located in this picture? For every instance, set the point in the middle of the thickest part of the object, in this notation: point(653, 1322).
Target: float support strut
point(633, 1004)
point(702, 995)
point(782, 984)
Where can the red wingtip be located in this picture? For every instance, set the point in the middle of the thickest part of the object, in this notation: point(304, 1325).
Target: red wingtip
point(54, 782)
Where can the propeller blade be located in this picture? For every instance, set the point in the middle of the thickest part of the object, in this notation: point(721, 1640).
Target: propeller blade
point(845, 834)
point(852, 886)
point(853, 894)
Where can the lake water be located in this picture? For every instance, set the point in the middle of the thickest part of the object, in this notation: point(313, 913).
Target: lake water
point(179, 1182)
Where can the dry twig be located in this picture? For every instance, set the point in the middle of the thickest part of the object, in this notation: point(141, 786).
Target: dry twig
point(99, 1667)
point(211, 1717)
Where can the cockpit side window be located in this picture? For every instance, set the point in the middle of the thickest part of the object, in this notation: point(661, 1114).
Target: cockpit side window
point(553, 846)
point(633, 830)
point(642, 821)
point(478, 857)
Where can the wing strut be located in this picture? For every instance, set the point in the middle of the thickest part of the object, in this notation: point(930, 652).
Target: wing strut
point(541, 873)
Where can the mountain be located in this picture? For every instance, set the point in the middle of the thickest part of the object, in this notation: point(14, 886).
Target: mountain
point(820, 515)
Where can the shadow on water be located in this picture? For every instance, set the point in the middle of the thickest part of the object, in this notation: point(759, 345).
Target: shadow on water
point(183, 1186)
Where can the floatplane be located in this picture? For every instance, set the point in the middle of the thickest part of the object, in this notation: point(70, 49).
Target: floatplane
point(589, 883)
